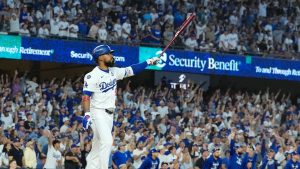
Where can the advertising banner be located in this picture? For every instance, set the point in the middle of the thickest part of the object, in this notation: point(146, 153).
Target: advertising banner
point(10, 47)
point(231, 65)
point(67, 51)
point(73, 51)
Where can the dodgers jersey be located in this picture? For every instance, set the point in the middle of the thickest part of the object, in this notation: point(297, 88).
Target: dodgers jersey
point(103, 85)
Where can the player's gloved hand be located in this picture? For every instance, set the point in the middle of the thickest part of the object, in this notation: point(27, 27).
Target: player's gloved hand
point(87, 121)
point(153, 61)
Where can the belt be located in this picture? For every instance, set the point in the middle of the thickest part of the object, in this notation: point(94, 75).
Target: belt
point(109, 111)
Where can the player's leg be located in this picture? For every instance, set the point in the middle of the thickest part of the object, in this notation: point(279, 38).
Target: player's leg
point(104, 124)
point(93, 157)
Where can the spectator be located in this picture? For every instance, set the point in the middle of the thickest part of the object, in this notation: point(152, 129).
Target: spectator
point(73, 29)
point(33, 29)
point(233, 40)
point(153, 15)
point(43, 31)
point(294, 162)
point(269, 161)
point(102, 33)
point(214, 161)
point(224, 41)
point(4, 158)
point(169, 18)
point(39, 15)
point(164, 165)
point(186, 160)
point(85, 148)
point(156, 34)
point(262, 8)
point(16, 152)
point(191, 42)
point(49, 12)
point(76, 9)
point(58, 10)
point(126, 29)
point(288, 42)
point(200, 31)
point(83, 28)
point(200, 162)
point(168, 34)
point(14, 23)
point(139, 154)
point(29, 123)
point(54, 25)
point(118, 28)
point(24, 15)
point(13, 164)
point(30, 156)
point(24, 30)
point(93, 31)
point(120, 157)
point(236, 152)
point(63, 25)
point(72, 160)
point(66, 126)
point(172, 156)
point(233, 19)
point(54, 158)
point(162, 109)
point(162, 156)
point(151, 161)
point(7, 118)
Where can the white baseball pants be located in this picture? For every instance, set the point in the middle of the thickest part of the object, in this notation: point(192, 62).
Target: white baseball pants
point(102, 124)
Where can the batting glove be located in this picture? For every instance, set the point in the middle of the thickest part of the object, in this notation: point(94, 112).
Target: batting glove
point(86, 122)
point(153, 61)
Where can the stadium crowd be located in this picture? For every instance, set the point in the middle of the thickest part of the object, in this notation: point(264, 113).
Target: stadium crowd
point(41, 126)
point(264, 27)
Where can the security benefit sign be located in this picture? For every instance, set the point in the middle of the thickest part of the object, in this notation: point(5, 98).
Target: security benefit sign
point(231, 65)
point(10, 47)
point(193, 62)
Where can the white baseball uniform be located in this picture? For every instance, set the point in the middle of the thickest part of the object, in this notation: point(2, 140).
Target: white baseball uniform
point(103, 85)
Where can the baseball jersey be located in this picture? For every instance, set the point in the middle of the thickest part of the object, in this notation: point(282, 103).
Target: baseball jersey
point(103, 85)
point(120, 158)
point(212, 163)
point(53, 156)
point(150, 163)
point(292, 164)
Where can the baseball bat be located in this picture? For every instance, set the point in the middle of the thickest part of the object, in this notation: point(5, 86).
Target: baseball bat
point(183, 26)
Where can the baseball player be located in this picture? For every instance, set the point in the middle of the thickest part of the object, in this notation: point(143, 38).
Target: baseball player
point(98, 100)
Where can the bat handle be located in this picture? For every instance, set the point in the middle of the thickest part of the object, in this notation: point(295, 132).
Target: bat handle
point(161, 54)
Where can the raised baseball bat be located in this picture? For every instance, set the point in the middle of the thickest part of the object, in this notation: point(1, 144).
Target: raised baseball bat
point(183, 26)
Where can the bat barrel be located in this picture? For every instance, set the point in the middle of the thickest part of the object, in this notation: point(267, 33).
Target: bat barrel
point(183, 26)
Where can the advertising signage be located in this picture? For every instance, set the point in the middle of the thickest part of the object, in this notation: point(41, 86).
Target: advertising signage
point(10, 47)
point(66, 51)
point(232, 65)
point(73, 51)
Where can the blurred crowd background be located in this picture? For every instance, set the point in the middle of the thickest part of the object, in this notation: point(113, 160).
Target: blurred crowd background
point(186, 126)
point(269, 28)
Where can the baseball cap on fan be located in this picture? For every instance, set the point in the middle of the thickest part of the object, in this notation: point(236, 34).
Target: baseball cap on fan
point(153, 151)
point(74, 145)
point(66, 119)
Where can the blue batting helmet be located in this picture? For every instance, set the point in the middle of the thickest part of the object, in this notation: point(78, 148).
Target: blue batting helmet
point(101, 50)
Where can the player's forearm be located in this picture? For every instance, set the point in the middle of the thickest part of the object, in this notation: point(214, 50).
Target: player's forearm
point(137, 68)
point(86, 104)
